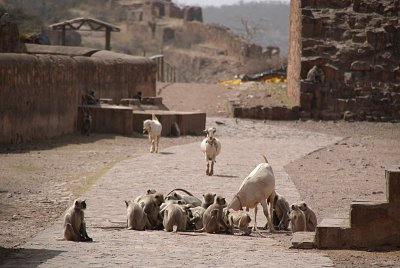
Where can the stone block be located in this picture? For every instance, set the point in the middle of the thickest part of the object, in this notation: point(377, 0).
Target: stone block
point(343, 105)
point(392, 175)
point(129, 102)
point(238, 111)
point(306, 100)
point(364, 213)
point(360, 66)
point(359, 38)
point(303, 240)
point(311, 27)
point(152, 100)
point(376, 39)
point(108, 119)
point(106, 101)
point(332, 233)
point(332, 73)
point(191, 123)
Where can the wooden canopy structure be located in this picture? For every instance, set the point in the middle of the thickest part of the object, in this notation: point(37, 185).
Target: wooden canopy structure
point(86, 24)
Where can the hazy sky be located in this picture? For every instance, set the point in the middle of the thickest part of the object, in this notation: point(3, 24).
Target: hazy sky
point(221, 2)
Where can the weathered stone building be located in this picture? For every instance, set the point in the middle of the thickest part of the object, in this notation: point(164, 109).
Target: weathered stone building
point(41, 86)
point(357, 46)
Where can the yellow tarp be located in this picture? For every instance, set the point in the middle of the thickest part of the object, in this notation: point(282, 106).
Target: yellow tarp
point(268, 79)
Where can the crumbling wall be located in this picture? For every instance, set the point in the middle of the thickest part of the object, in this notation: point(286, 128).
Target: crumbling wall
point(193, 33)
point(40, 93)
point(357, 46)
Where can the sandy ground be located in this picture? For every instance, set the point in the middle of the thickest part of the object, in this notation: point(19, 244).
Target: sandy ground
point(39, 180)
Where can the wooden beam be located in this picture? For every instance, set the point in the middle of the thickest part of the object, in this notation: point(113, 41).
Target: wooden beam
point(108, 39)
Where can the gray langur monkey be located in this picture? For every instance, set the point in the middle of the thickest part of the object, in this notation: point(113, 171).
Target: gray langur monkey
point(136, 218)
point(196, 217)
point(239, 219)
point(151, 206)
point(74, 222)
point(297, 219)
point(208, 200)
point(213, 218)
point(311, 218)
point(315, 75)
point(281, 210)
point(175, 218)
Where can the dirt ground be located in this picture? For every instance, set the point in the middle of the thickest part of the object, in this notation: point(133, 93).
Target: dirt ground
point(39, 180)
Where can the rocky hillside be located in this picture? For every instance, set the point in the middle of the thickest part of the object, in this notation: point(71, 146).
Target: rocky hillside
point(196, 50)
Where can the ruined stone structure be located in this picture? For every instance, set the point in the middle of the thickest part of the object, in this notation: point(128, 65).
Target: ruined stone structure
point(42, 88)
point(371, 224)
point(357, 46)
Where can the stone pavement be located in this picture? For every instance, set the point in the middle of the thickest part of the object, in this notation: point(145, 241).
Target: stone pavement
point(182, 167)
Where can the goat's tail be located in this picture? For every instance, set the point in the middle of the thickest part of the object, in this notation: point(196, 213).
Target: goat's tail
point(265, 158)
point(154, 117)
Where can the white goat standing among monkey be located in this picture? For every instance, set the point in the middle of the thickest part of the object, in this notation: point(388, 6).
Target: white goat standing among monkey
point(211, 147)
point(256, 188)
point(153, 127)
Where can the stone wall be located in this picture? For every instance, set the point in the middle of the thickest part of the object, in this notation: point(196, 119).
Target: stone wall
point(357, 46)
point(195, 32)
point(40, 93)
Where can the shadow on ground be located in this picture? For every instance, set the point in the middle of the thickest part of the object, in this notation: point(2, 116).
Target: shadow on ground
point(10, 257)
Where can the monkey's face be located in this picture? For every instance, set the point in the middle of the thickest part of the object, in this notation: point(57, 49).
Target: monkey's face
point(80, 204)
point(220, 201)
point(302, 206)
point(159, 198)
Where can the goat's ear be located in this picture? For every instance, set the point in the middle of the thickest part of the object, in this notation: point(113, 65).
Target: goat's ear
point(214, 130)
point(293, 207)
point(126, 203)
point(205, 131)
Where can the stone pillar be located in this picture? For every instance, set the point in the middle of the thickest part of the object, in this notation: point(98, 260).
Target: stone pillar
point(294, 55)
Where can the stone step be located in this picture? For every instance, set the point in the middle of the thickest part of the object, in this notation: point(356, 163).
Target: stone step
point(364, 213)
point(303, 240)
point(332, 232)
point(392, 174)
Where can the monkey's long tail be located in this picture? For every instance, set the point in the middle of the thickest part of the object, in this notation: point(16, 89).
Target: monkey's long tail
point(180, 189)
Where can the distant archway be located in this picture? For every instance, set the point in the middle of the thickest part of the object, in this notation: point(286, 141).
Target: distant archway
point(85, 24)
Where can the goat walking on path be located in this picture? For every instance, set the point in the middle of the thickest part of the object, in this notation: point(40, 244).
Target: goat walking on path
point(153, 127)
point(211, 147)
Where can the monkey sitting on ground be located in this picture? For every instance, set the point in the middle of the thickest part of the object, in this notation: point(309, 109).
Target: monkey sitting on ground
point(297, 219)
point(175, 218)
point(311, 219)
point(208, 199)
point(196, 217)
point(280, 217)
point(74, 222)
point(239, 219)
point(213, 218)
point(136, 218)
point(151, 206)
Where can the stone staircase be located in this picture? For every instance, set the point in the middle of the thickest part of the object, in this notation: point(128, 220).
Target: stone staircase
point(371, 224)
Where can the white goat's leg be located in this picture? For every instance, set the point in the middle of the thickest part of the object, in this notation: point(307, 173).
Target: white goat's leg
point(152, 146)
point(255, 218)
point(208, 166)
point(157, 141)
point(212, 168)
point(267, 215)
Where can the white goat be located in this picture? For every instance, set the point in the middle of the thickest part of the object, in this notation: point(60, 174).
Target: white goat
point(211, 147)
point(256, 188)
point(153, 127)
